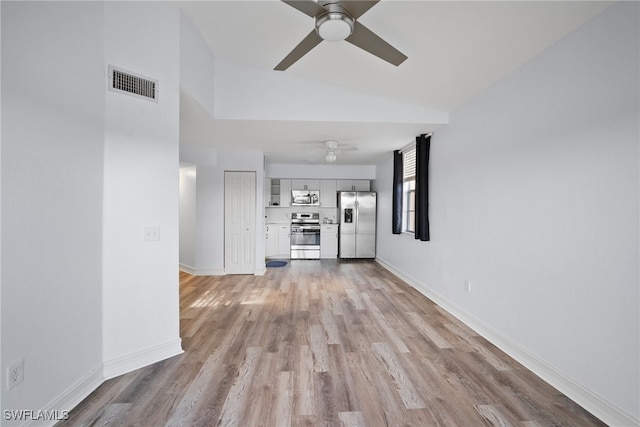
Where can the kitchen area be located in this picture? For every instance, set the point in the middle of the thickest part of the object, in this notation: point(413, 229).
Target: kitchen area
point(319, 219)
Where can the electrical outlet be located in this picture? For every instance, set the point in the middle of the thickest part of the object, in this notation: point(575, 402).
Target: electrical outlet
point(152, 234)
point(15, 374)
point(467, 285)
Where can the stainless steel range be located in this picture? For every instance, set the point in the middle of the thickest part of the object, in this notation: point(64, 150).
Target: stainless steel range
point(305, 236)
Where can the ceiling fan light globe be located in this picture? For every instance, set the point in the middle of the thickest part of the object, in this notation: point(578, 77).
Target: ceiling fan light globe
point(331, 144)
point(334, 26)
point(330, 157)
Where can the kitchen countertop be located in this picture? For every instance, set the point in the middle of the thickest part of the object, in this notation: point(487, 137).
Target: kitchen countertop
point(289, 222)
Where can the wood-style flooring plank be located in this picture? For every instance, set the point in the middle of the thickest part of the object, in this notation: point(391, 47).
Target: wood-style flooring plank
point(429, 331)
point(113, 415)
point(195, 393)
point(352, 419)
point(319, 349)
point(236, 401)
point(377, 316)
point(304, 396)
point(408, 393)
point(284, 399)
point(325, 343)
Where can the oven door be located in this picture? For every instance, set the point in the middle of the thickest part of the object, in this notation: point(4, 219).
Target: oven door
point(305, 241)
point(305, 235)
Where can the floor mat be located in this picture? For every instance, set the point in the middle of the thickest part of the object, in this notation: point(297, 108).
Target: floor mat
point(276, 263)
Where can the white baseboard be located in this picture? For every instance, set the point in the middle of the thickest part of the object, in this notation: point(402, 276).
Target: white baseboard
point(139, 359)
point(600, 407)
point(214, 271)
point(77, 392)
point(201, 271)
point(72, 396)
point(187, 269)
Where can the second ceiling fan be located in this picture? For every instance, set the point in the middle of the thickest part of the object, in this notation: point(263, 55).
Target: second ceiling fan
point(336, 21)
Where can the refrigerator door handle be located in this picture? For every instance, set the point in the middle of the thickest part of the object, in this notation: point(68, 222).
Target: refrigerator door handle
point(356, 215)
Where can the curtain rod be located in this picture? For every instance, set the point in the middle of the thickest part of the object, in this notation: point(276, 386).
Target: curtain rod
point(412, 144)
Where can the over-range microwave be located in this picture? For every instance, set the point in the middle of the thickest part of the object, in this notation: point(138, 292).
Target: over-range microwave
point(305, 198)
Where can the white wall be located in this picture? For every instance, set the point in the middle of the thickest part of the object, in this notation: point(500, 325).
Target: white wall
point(535, 200)
point(1, 359)
point(196, 66)
point(83, 172)
point(209, 241)
point(210, 209)
point(253, 94)
point(140, 296)
point(52, 169)
point(198, 69)
point(202, 209)
point(188, 224)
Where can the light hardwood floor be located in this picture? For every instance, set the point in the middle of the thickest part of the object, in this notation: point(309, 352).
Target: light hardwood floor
point(325, 343)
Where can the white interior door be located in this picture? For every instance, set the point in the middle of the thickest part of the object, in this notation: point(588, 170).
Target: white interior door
point(239, 222)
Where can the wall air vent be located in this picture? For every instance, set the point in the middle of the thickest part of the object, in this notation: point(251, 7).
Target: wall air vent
point(132, 84)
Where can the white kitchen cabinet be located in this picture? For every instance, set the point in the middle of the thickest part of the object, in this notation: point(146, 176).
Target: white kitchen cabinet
point(285, 193)
point(305, 184)
point(267, 192)
point(272, 192)
point(271, 240)
point(284, 240)
point(329, 241)
point(277, 192)
point(354, 185)
point(278, 240)
point(328, 189)
point(297, 184)
point(362, 185)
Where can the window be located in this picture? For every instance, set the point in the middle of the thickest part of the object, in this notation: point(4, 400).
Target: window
point(409, 190)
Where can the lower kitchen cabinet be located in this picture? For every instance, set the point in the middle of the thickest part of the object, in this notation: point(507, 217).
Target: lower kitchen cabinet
point(278, 241)
point(328, 241)
point(284, 241)
point(271, 240)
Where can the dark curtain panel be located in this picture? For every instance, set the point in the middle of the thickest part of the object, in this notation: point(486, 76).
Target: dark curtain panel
point(397, 192)
point(423, 143)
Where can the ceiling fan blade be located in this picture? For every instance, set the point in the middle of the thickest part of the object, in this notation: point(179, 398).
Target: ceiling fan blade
point(308, 43)
point(308, 7)
point(366, 39)
point(357, 8)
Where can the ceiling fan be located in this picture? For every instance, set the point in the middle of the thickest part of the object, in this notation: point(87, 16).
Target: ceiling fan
point(336, 20)
point(332, 150)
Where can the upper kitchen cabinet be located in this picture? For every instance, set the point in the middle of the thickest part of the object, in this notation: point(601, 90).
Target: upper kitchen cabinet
point(267, 192)
point(285, 193)
point(354, 185)
point(272, 196)
point(328, 189)
point(305, 184)
point(278, 192)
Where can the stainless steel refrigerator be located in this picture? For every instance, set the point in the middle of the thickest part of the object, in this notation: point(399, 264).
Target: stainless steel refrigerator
point(357, 233)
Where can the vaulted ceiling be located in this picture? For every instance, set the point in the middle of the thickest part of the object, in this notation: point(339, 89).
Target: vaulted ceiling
point(455, 50)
